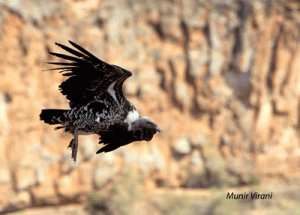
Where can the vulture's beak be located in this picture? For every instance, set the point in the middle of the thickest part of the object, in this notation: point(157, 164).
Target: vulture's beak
point(157, 129)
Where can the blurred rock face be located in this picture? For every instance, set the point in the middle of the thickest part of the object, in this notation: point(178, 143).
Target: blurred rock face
point(221, 79)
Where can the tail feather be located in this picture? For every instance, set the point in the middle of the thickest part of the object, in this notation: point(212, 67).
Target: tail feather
point(52, 116)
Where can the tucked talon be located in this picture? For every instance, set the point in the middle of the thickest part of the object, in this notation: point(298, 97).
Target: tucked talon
point(75, 145)
point(71, 144)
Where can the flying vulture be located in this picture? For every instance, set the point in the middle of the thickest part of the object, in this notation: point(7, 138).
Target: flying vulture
point(97, 104)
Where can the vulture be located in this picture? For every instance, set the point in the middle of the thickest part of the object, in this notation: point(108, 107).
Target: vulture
point(97, 103)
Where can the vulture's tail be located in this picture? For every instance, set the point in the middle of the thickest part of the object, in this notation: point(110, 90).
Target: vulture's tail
point(53, 116)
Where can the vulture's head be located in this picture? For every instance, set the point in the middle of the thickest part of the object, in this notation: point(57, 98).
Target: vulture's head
point(147, 126)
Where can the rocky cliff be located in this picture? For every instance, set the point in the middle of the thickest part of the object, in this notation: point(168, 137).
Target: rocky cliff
point(221, 79)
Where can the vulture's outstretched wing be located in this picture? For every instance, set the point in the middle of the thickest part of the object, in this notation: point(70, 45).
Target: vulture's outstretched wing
point(89, 77)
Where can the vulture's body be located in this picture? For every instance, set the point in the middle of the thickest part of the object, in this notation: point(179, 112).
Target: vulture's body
point(98, 106)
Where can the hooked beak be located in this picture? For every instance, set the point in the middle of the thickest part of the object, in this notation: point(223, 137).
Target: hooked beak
point(157, 129)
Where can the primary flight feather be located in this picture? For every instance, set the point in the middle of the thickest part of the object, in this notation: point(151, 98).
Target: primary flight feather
point(98, 106)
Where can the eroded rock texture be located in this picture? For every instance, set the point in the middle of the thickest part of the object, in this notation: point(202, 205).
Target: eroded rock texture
point(221, 78)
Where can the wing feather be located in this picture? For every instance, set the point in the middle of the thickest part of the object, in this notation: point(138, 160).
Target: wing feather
point(68, 57)
point(72, 51)
point(61, 63)
point(90, 77)
point(63, 69)
point(84, 51)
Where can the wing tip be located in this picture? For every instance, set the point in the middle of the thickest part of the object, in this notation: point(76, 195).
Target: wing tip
point(73, 44)
point(53, 53)
point(59, 45)
point(101, 150)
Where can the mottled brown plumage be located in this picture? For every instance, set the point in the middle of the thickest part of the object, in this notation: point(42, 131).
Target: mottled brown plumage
point(98, 106)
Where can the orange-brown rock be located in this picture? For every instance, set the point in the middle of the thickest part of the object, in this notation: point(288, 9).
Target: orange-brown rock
point(220, 79)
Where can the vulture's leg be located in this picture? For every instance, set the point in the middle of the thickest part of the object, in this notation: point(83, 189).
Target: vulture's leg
point(74, 145)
